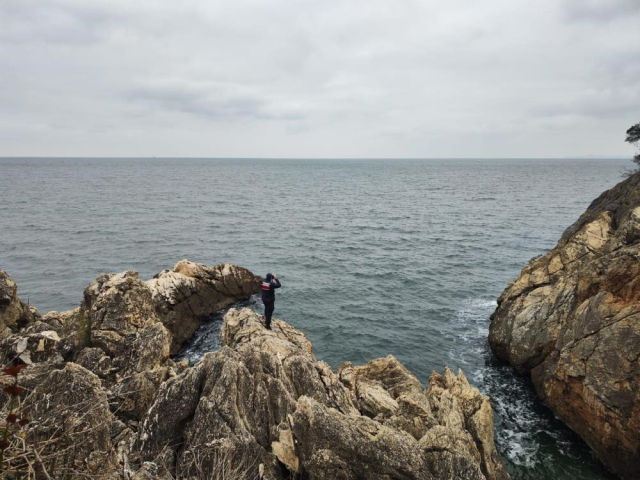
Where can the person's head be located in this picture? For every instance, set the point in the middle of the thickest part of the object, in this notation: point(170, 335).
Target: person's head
point(269, 277)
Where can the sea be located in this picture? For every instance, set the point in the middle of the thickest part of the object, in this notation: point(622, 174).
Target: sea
point(376, 257)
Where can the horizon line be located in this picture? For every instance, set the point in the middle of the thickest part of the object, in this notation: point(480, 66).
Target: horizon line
point(564, 157)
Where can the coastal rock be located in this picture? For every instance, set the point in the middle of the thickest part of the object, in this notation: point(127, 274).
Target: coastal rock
point(72, 422)
point(119, 317)
point(191, 292)
point(126, 344)
point(572, 321)
point(110, 355)
point(38, 347)
point(108, 402)
point(266, 397)
point(14, 313)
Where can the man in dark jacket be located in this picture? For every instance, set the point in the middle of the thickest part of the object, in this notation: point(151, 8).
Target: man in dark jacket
point(269, 285)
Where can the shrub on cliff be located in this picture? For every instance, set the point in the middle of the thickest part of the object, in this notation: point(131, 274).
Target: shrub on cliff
point(633, 137)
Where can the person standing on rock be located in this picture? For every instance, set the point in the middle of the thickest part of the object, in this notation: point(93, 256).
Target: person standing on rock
point(269, 285)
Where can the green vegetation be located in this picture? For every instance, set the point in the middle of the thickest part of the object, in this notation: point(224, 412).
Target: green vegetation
point(83, 336)
point(633, 137)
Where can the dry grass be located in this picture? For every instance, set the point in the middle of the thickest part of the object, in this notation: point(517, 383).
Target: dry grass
point(55, 447)
point(217, 461)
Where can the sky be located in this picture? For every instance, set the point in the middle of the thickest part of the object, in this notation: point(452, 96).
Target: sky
point(318, 78)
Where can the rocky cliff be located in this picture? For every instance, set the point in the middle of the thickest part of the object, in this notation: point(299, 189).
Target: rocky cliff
point(106, 401)
point(571, 320)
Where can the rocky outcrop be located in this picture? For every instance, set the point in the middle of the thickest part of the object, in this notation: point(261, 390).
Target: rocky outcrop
point(121, 321)
point(93, 372)
point(192, 292)
point(106, 401)
point(14, 313)
point(266, 397)
point(450, 413)
point(572, 321)
point(72, 424)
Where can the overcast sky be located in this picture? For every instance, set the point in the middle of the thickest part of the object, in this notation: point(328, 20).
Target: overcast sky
point(318, 78)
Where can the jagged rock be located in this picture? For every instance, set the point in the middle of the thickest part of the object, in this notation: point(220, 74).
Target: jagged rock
point(132, 395)
point(458, 407)
point(38, 348)
point(118, 316)
point(71, 420)
point(101, 386)
point(34, 346)
point(282, 411)
point(118, 302)
point(71, 328)
point(385, 389)
point(572, 321)
point(125, 343)
point(192, 292)
point(14, 313)
point(96, 361)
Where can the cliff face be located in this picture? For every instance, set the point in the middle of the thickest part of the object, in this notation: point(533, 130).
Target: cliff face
point(572, 321)
point(105, 399)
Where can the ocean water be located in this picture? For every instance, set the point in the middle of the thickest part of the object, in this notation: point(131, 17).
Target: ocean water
point(376, 257)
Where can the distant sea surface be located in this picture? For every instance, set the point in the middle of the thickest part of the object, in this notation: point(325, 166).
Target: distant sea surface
point(376, 257)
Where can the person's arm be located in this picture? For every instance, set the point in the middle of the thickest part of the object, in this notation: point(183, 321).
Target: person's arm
point(275, 282)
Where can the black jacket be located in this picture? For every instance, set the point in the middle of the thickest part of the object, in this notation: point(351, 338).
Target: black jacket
point(268, 290)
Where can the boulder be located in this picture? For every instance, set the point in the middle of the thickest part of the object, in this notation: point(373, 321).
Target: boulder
point(191, 292)
point(571, 321)
point(265, 397)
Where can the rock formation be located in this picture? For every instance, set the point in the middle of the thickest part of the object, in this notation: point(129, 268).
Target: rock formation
point(264, 394)
point(14, 313)
point(106, 401)
point(572, 321)
point(191, 293)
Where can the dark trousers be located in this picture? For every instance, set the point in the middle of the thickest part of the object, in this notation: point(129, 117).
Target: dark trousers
point(268, 311)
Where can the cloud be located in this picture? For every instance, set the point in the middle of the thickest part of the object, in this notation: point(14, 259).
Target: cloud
point(303, 79)
point(219, 102)
point(54, 22)
point(599, 10)
point(603, 103)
